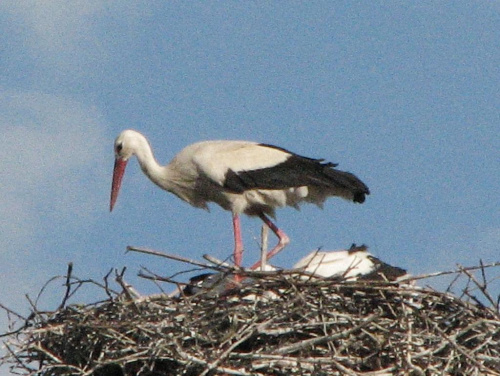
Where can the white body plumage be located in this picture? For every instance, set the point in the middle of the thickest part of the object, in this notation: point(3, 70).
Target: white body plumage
point(348, 265)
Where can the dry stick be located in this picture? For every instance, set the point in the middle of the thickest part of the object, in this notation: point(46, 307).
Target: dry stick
point(35, 303)
point(438, 274)
point(459, 348)
point(129, 291)
point(170, 256)
point(227, 352)
point(409, 333)
point(68, 286)
point(320, 340)
point(156, 277)
point(44, 370)
point(249, 272)
point(481, 286)
point(266, 361)
point(272, 362)
point(47, 353)
point(15, 356)
point(465, 290)
point(162, 293)
point(106, 284)
point(9, 311)
point(136, 356)
point(453, 281)
point(8, 334)
point(343, 369)
point(483, 273)
point(204, 363)
point(220, 263)
point(220, 266)
point(410, 320)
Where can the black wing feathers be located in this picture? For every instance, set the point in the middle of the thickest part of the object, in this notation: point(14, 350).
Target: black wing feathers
point(296, 171)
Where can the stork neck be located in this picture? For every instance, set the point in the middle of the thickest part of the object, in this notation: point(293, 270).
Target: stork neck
point(151, 168)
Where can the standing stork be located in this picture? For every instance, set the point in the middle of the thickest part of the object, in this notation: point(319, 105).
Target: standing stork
point(241, 177)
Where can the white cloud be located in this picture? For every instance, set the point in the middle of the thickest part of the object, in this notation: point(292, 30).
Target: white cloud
point(54, 25)
point(66, 37)
point(50, 145)
point(51, 173)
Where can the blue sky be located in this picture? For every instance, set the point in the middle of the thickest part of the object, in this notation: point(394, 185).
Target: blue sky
point(404, 94)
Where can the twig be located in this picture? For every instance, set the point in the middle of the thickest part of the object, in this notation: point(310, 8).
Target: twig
point(106, 284)
point(170, 256)
point(249, 332)
point(68, 286)
point(204, 363)
point(317, 341)
point(438, 274)
point(128, 290)
point(482, 286)
point(459, 348)
point(8, 310)
point(42, 290)
point(220, 264)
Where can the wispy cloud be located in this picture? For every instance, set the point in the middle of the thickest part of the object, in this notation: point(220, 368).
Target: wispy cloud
point(52, 148)
point(54, 27)
point(66, 37)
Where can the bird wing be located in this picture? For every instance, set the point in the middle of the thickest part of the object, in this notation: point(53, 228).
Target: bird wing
point(239, 166)
point(217, 159)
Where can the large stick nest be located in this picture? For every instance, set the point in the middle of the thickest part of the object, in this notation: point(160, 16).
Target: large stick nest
point(280, 324)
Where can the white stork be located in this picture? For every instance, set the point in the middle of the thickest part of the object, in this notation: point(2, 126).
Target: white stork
point(353, 264)
point(241, 177)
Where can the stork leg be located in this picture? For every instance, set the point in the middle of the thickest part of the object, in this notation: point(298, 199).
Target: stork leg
point(238, 243)
point(283, 240)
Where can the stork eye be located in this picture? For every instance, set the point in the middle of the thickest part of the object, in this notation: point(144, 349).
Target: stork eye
point(119, 148)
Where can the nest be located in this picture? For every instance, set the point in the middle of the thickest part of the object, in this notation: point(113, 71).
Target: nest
point(279, 324)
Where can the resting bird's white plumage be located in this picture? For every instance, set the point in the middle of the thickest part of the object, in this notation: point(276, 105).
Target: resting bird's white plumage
point(240, 176)
point(349, 265)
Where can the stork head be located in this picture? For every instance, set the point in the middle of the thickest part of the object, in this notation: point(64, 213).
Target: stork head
point(125, 147)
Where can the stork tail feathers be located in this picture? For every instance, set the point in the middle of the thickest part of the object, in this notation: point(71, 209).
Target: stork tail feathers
point(348, 181)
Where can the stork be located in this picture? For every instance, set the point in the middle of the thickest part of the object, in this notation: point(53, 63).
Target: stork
point(240, 176)
point(353, 264)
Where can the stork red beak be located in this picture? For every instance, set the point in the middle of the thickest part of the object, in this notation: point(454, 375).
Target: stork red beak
point(118, 172)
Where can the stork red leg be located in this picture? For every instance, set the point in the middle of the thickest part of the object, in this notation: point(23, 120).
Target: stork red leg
point(282, 242)
point(238, 243)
